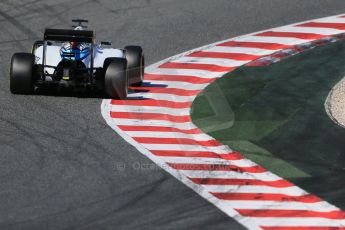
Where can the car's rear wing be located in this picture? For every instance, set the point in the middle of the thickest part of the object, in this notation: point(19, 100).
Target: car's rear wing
point(64, 35)
point(69, 35)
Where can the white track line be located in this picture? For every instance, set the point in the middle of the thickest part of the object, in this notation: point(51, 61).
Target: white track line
point(239, 50)
point(330, 20)
point(292, 191)
point(163, 96)
point(277, 40)
point(264, 176)
point(303, 29)
point(179, 85)
point(206, 160)
point(138, 122)
point(255, 205)
point(186, 72)
point(198, 137)
point(299, 222)
point(150, 109)
point(212, 61)
point(181, 147)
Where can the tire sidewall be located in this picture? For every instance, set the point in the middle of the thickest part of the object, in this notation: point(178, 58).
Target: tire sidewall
point(115, 78)
point(21, 73)
point(135, 59)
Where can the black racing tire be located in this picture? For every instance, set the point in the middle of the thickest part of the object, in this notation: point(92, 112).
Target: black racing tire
point(115, 78)
point(21, 73)
point(135, 64)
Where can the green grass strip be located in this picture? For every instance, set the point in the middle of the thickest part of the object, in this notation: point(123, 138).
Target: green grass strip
point(275, 116)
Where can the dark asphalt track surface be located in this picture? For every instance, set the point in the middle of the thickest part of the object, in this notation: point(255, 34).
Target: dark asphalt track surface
point(61, 166)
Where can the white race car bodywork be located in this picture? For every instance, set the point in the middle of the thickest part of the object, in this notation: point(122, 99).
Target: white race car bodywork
point(53, 56)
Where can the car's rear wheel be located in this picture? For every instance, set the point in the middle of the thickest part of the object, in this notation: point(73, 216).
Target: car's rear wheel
point(21, 73)
point(115, 78)
point(136, 64)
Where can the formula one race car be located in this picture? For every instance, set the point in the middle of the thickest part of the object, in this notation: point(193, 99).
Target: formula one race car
point(70, 58)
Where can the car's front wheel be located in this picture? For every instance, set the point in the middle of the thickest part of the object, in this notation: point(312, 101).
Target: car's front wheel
point(115, 78)
point(21, 73)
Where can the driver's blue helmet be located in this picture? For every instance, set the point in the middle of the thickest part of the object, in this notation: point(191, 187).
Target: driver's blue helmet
point(75, 50)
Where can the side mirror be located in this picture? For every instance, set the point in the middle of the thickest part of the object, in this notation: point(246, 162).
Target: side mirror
point(105, 43)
